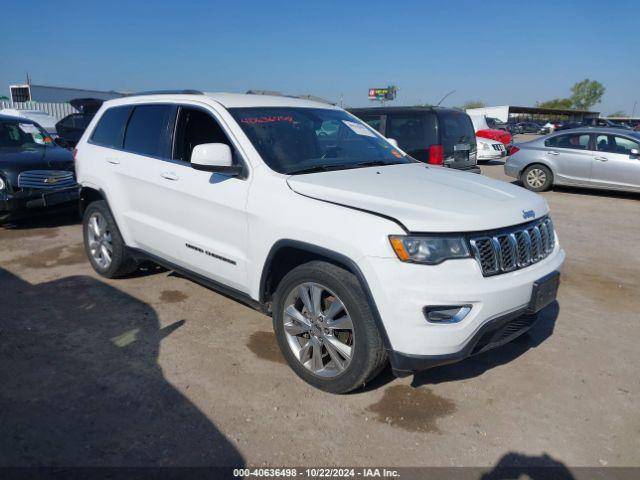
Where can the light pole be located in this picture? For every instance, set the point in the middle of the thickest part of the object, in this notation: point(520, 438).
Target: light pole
point(633, 112)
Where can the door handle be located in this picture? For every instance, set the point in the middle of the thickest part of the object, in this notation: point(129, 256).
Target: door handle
point(602, 159)
point(552, 153)
point(169, 176)
point(114, 161)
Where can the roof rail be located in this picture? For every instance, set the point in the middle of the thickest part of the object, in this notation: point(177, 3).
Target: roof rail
point(166, 92)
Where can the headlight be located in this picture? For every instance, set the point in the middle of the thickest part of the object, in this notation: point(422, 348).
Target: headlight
point(2, 184)
point(429, 250)
point(485, 146)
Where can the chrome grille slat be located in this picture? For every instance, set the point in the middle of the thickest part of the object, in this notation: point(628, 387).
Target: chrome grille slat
point(43, 179)
point(513, 248)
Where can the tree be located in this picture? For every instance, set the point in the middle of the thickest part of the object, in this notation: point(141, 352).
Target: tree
point(619, 113)
point(560, 103)
point(473, 104)
point(586, 93)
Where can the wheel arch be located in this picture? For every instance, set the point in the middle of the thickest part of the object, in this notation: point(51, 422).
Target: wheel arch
point(287, 254)
point(89, 195)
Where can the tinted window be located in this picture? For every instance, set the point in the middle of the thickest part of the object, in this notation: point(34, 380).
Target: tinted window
point(456, 129)
point(575, 141)
point(414, 132)
point(110, 128)
point(196, 127)
point(148, 132)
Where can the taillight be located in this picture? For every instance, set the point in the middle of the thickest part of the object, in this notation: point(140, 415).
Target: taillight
point(75, 152)
point(436, 155)
point(513, 150)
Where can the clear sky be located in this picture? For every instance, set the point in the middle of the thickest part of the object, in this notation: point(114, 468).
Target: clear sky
point(500, 52)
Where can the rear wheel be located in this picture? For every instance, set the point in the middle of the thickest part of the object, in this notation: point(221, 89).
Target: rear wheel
point(103, 243)
point(325, 328)
point(537, 178)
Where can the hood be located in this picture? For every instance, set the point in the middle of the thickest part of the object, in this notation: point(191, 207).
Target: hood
point(423, 198)
point(14, 161)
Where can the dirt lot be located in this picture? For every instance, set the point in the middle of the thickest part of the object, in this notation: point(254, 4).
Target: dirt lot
point(156, 370)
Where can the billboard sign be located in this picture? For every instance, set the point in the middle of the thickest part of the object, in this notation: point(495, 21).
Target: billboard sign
point(387, 93)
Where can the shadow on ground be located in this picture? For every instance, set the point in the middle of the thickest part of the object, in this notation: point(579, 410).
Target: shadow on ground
point(478, 364)
point(518, 465)
point(81, 384)
point(29, 220)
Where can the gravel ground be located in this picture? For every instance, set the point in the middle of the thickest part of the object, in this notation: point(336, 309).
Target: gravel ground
point(157, 370)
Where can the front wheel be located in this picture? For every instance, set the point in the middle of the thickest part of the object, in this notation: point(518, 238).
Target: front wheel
point(537, 178)
point(103, 242)
point(325, 328)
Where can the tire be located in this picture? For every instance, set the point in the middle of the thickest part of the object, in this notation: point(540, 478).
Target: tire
point(116, 260)
point(335, 372)
point(537, 178)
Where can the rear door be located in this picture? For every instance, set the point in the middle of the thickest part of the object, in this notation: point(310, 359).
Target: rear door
point(415, 132)
point(613, 165)
point(572, 156)
point(458, 139)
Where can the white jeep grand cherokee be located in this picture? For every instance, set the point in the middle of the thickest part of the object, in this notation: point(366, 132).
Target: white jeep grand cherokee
point(360, 253)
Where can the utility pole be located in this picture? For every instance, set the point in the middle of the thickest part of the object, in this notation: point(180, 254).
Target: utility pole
point(633, 112)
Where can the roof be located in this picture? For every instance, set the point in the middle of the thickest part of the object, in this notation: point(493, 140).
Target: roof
point(559, 111)
point(13, 118)
point(228, 100)
point(404, 109)
point(608, 130)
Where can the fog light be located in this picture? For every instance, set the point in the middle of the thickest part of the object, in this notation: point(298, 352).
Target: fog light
point(446, 313)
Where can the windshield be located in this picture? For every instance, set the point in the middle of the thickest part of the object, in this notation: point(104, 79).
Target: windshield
point(22, 135)
point(299, 140)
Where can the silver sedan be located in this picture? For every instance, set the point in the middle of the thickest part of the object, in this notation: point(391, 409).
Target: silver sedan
point(584, 157)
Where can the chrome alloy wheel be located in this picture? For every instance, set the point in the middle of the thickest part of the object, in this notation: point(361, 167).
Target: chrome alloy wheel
point(318, 329)
point(99, 237)
point(536, 177)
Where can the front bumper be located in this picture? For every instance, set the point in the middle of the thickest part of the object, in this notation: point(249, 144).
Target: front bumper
point(492, 334)
point(35, 199)
point(402, 290)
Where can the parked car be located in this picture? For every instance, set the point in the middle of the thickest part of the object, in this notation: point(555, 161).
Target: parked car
point(490, 149)
point(71, 127)
point(43, 119)
point(358, 252)
point(35, 173)
point(485, 131)
point(526, 127)
point(434, 135)
point(497, 124)
point(586, 157)
point(602, 123)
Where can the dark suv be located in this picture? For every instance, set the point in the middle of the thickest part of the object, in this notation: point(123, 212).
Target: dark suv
point(439, 136)
point(71, 127)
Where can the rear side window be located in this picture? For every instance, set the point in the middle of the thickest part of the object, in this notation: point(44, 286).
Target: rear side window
point(110, 128)
point(575, 141)
point(148, 130)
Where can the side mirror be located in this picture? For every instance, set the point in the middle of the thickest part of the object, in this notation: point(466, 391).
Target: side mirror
point(214, 157)
point(634, 152)
point(393, 142)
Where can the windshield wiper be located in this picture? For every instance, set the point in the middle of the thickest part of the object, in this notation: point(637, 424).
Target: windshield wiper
point(342, 166)
point(316, 168)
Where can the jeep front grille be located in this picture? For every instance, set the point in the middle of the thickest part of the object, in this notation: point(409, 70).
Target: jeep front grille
point(46, 179)
point(514, 248)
